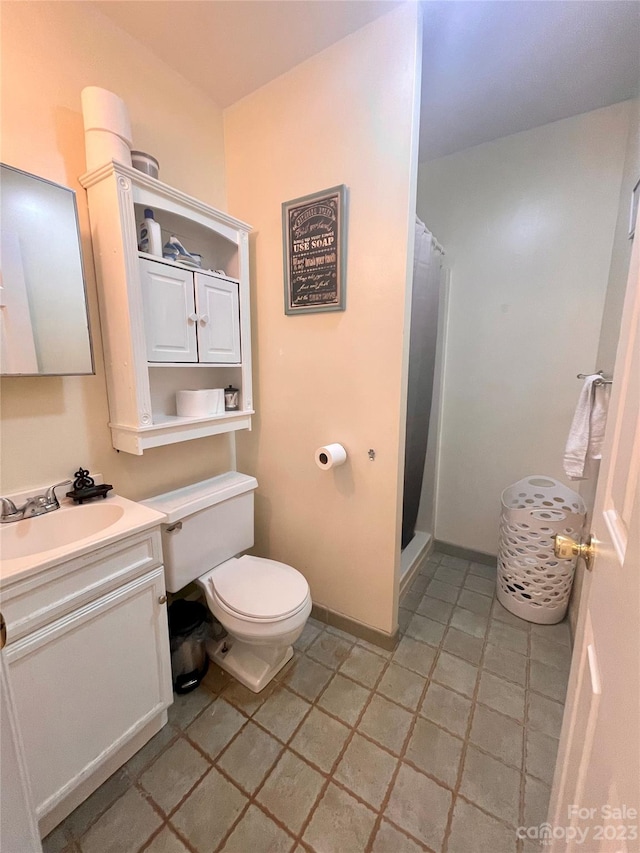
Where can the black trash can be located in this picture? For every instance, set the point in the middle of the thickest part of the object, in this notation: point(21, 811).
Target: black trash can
point(187, 634)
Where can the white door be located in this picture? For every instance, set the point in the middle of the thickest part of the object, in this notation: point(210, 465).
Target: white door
point(595, 802)
point(18, 830)
point(169, 312)
point(218, 307)
point(88, 682)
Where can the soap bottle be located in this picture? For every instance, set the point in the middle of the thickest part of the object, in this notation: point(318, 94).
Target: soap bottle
point(150, 236)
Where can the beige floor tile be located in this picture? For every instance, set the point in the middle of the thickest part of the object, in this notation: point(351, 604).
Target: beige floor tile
point(415, 656)
point(386, 723)
point(472, 830)
point(446, 708)
point(446, 574)
point(420, 806)
point(344, 699)
point(544, 715)
point(377, 650)
point(505, 663)
point(216, 679)
point(505, 616)
point(482, 585)
point(339, 824)
point(553, 654)
point(472, 623)
point(124, 827)
point(257, 833)
point(402, 686)
point(307, 677)
point(172, 774)
point(443, 591)
point(57, 841)
point(215, 727)
point(502, 796)
point(166, 842)
point(558, 633)
point(291, 791)
point(390, 840)
point(249, 757)
point(536, 802)
point(540, 755)
point(463, 645)
point(410, 600)
point(209, 812)
point(548, 680)
point(320, 739)
point(187, 706)
point(455, 673)
point(499, 735)
point(436, 609)
point(150, 751)
point(282, 713)
point(475, 602)
point(404, 618)
point(330, 649)
point(502, 696)
point(435, 751)
point(363, 666)
point(97, 803)
point(419, 584)
point(366, 770)
point(426, 630)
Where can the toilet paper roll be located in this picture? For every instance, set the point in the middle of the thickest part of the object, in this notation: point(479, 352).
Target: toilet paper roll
point(101, 146)
point(330, 456)
point(104, 110)
point(201, 403)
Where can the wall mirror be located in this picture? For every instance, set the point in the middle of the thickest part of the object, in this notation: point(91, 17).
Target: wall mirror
point(44, 324)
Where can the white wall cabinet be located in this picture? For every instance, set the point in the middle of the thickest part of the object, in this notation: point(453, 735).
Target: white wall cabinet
point(189, 317)
point(90, 673)
point(150, 351)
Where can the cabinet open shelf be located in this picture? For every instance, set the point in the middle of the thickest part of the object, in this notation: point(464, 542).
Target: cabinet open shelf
point(142, 391)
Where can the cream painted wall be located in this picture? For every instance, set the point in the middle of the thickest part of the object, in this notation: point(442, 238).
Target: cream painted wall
point(344, 116)
point(50, 51)
point(528, 223)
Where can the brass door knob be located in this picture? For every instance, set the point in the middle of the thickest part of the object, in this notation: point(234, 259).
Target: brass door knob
point(565, 548)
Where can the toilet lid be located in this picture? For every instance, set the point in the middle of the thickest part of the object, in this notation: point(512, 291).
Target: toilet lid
point(263, 589)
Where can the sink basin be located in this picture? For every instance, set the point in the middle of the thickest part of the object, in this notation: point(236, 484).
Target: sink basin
point(56, 529)
point(46, 540)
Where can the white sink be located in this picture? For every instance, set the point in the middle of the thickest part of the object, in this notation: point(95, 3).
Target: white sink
point(36, 543)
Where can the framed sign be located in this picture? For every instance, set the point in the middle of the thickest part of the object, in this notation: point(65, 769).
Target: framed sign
point(315, 243)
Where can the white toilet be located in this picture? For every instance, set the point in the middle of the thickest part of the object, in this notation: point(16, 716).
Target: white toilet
point(263, 604)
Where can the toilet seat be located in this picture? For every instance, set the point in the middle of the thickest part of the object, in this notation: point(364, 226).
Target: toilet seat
point(254, 589)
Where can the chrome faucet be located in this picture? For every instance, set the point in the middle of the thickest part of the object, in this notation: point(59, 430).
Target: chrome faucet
point(32, 507)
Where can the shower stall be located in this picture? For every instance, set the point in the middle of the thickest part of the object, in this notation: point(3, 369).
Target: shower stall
point(424, 394)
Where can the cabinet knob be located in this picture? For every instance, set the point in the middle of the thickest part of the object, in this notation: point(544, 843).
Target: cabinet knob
point(162, 599)
point(204, 319)
point(192, 317)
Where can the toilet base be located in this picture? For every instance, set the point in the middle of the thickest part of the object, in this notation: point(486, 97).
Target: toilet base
point(241, 661)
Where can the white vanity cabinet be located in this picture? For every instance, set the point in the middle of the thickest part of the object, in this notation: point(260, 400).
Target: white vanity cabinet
point(89, 666)
point(189, 317)
point(165, 326)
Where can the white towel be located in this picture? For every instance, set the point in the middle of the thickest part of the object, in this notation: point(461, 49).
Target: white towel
point(587, 428)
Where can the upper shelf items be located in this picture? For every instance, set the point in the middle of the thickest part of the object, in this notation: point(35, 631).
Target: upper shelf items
point(165, 326)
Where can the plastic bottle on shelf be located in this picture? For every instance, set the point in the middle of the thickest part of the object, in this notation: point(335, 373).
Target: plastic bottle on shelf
point(149, 235)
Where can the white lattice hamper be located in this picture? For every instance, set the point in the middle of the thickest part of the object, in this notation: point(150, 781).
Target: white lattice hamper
point(532, 582)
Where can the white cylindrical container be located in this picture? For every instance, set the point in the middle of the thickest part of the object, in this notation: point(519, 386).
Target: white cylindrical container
point(101, 146)
point(145, 163)
point(149, 235)
point(200, 403)
point(330, 456)
point(104, 110)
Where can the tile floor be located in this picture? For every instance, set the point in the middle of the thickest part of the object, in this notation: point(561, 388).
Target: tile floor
point(446, 745)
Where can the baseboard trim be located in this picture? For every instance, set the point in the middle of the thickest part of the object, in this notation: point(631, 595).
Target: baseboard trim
point(465, 553)
point(358, 629)
point(416, 565)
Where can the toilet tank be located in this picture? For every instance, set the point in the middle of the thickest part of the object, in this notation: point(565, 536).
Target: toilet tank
point(207, 523)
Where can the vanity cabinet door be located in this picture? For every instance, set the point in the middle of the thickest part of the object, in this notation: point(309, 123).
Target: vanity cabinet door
point(86, 683)
point(218, 320)
point(169, 312)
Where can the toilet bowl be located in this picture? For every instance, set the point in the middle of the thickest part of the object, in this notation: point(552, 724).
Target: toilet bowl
point(262, 604)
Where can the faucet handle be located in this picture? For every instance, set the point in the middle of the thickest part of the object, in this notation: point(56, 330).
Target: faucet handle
point(7, 507)
point(50, 496)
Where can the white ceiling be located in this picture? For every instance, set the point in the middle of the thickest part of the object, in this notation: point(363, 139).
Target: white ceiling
point(490, 68)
